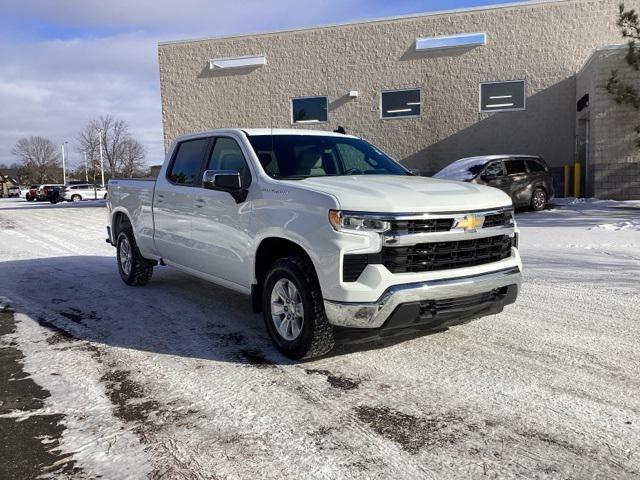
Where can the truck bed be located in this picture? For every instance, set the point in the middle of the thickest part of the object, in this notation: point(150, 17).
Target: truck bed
point(135, 197)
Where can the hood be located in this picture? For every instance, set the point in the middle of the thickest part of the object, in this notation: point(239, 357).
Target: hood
point(407, 194)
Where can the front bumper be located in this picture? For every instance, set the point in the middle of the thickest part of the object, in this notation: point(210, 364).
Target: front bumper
point(501, 287)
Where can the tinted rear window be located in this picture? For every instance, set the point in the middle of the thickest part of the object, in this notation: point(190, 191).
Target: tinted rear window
point(515, 167)
point(535, 166)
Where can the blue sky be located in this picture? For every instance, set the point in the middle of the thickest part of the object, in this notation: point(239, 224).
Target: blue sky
point(67, 61)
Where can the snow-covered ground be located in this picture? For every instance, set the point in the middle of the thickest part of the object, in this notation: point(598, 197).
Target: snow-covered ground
point(178, 380)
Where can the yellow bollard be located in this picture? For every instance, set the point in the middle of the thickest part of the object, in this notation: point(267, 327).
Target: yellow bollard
point(576, 179)
point(567, 179)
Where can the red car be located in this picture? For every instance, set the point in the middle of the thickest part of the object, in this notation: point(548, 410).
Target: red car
point(32, 194)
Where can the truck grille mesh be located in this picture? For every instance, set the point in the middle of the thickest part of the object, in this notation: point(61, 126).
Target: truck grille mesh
point(427, 257)
point(431, 225)
point(497, 220)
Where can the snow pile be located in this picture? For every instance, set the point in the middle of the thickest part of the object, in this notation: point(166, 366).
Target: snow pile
point(614, 227)
point(596, 202)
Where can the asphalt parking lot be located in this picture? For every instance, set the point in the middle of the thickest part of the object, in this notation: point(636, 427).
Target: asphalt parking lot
point(178, 380)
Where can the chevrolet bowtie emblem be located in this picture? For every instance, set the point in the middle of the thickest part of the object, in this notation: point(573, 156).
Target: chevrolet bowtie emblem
point(470, 223)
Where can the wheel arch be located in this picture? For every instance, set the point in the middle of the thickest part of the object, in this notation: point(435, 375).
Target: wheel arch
point(119, 220)
point(269, 250)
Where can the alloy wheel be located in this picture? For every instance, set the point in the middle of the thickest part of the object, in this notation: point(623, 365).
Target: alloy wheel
point(126, 256)
point(287, 311)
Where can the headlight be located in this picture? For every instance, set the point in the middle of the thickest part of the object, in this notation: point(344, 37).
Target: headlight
point(357, 222)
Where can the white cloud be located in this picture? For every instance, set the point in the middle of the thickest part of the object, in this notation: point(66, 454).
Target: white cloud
point(52, 87)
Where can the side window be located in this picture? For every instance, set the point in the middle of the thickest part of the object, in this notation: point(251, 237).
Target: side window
point(352, 158)
point(186, 162)
point(227, 155)
point(515, 167)
point(494, 169)
point(535, 166)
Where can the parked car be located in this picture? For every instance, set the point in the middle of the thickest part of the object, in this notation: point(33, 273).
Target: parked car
point(525, 178)
point(45, 191)
point(14, 192)
point(83, 191)
point(54, 194)
point(331, 238)
point(32, 193)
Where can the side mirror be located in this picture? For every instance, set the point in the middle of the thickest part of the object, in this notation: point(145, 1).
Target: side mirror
point(225, 181)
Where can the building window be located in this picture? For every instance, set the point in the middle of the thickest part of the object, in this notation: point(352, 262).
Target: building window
point(400, 103)
point(309, 109)
point(502, 96)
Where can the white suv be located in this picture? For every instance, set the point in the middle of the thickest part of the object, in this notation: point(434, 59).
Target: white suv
point(84, 191)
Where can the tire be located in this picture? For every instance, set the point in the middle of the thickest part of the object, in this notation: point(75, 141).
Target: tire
point(136, 270)
point(314, 333)
point(76, 198)
point(538, 200)
point(29, 198)
point(105, 196)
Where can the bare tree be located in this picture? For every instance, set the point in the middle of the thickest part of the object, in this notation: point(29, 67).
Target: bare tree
point(132, 159)
point(39, 157)
point(116, 147)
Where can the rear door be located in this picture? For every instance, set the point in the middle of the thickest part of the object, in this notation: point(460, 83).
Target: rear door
point(173, 202)
point(518, 179)
point(220, 225)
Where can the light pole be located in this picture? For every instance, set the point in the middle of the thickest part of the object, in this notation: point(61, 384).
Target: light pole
point(86, 171)
point(101, 159)
point(64, 168)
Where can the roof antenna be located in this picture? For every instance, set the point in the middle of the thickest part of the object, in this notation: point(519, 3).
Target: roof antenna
point(341, 130)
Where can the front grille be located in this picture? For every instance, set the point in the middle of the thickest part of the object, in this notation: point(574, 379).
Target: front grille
point(430, 308)
point(428, 257)
point(431, 225)
point(497, 220)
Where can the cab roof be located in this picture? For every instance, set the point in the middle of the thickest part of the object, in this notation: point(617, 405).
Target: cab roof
point(263, 131)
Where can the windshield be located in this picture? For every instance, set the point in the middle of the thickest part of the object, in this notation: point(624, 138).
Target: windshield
point(303, 156)
point(463, 169)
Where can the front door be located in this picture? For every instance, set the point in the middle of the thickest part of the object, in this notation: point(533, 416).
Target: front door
point(494, 175)
point(220, 225)
point(173, 203)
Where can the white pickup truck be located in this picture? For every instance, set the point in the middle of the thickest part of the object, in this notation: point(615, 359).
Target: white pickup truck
point(331, 238)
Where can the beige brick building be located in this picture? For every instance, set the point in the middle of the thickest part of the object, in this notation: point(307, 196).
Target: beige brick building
point(541, 45)
point(605, 131)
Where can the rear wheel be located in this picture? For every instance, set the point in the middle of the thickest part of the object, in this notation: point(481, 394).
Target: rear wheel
point(29, 198)
point(134, 269)
point(294, 310)
point(538, 199)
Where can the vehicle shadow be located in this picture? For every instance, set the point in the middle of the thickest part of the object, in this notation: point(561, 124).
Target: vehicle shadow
point(24, 205)
point(82, 298)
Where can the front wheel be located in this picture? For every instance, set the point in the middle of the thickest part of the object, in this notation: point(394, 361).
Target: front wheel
point(294, 310)
point(76, 198)
point(134, 269)
point(538, 200)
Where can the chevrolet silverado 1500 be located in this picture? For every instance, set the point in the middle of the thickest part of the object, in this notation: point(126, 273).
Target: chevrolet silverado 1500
point(330, 237)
